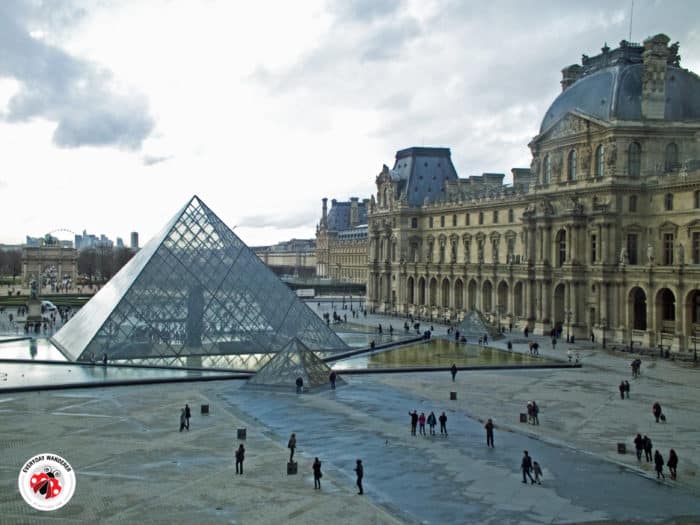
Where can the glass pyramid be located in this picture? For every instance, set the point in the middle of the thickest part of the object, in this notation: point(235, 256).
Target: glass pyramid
point(295, 360)
point(195, 295)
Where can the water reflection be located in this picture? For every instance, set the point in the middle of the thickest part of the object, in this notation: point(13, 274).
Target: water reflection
point(438, 353)
point(39, 349)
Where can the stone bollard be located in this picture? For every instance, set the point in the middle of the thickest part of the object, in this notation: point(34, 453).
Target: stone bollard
point(621, 448)
point(453, 396)
point(205, 409)
point(291, 468)
point(241, 434)
point(523, 418)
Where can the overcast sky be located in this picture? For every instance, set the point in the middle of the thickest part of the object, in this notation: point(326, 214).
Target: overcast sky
point(113, 114)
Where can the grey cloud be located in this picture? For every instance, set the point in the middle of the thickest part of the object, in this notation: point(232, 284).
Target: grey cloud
point(306, 218)
point(389, 40)
point(77, 95)
point(363, 10)
point(150, 160)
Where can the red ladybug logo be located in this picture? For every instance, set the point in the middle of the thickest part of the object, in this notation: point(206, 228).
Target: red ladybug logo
point(45, 484)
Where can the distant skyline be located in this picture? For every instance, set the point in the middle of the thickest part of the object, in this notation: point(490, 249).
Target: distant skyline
point(113, 115)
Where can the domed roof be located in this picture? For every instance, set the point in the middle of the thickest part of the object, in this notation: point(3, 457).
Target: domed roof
point(614, 91)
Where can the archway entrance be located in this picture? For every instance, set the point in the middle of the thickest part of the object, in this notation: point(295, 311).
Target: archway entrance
point(665, 311)
point(409, 290)
point(637, 309)
point(445, 293)
point(459, 294)
point(486, 298)
point(558, 315)
point(471, 291)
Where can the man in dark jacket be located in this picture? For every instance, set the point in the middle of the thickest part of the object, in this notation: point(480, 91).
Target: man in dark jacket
point(526, 467)
point(443, 424)
point(622, 389)
point(659, 465)
point(489, 433)
point(453, 371)
point(316, 467)
point(647, 448)
point(240, 456)
point(414, 422)
point(360, 473)
point(639, 446)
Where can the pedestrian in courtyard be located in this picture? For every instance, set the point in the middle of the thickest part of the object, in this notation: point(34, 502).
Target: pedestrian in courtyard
point(332, 379)
point(672, 463)
point(300, 385)
point(453, 371)
point(486, 339)
point(639, 446)
point(526, 467)
point(182, 420)
point(188, 415)
point(527, 331)
point(659, 465)
point(421, 423)
point(622, 389)
point(414, 421)
point(535, 413)
point(656, 410)
point(489, 433)
point(538, 472)
point(554, 343)
point(360, 472)
point(292, 445)
point(432, 421)
point(627, 389)
point(647, 448)
point(443, 424)
point(316, 467)
point(240, 456)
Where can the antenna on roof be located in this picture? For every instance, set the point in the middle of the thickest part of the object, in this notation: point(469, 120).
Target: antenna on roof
point(631, 18)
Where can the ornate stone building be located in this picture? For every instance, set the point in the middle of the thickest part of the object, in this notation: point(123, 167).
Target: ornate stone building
point(601, 236)
point(341, 241)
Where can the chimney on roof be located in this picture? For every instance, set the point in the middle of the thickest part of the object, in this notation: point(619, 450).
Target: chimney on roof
point(569, 75)
point(654, 59)
point(324, 213)
point(354, 212)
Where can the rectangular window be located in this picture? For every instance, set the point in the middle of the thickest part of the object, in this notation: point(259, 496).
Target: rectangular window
point(511, 215)
point(633, 203)
point(430, 222)
point(481, 217)
point(632, 248)
point(414, 222)
point(668, 249)
point(454, 220)
point(696, 247)
point(594, 248)
point(466, 219)
point(442, 221)
point(495, 216)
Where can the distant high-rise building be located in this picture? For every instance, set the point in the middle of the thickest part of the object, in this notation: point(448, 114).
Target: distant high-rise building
point(120, 242)
point(134, 240)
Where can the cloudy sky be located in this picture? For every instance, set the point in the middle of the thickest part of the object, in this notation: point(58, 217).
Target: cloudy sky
point(112, 114)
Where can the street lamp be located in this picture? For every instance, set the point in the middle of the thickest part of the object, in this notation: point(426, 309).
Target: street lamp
point(568, 325)
point(604, 322)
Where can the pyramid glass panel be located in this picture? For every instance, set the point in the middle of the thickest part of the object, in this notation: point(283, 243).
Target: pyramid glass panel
point(195, 295)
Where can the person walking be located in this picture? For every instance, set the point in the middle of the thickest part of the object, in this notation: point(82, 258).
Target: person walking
point(316, 467)
point(639, 446)
point(622, 389)
point(659, 465)
point(672, 463)
point(535, 413)
point(292, 445)
point(443, 424)
point(332, 378)
point(489, 433)
point(432, 421)
point(538, 472)
point(414, 421)
point(526, 467)
point(182, 420)
point(240, 456)
point(627, 388)
point(554, 343)
point(656, 410)
point(647, 448)
point(188, 415)
point(300, 384)
point(360, 474)
point(421, 423)
point(453, 371)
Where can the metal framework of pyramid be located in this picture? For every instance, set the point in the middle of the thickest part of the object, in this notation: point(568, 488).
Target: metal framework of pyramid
point(195, 295)
point(295, 360)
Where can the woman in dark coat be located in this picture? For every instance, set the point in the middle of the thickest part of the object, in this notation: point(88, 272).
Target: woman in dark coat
point(672, 463)
point(317, 474)
point(659, 465)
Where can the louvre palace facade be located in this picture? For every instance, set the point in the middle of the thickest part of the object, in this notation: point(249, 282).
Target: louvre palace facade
point(600, 236)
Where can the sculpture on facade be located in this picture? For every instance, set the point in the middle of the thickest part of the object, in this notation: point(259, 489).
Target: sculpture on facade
point(33, 290)
point(681, 254)
point(624, 258)
point(650, 253)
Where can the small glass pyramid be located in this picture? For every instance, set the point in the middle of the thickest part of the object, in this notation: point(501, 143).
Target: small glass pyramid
point(195, 295)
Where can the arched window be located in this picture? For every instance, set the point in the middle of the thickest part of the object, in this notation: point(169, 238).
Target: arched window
point(668, 202)
point(635, 159)
point(600, 161)
point(572, 165)
point(561, 247)
point(671, 157)
point(547, 176)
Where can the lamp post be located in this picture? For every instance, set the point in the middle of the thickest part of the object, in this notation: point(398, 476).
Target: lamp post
point(568, 325)
point(604, 322)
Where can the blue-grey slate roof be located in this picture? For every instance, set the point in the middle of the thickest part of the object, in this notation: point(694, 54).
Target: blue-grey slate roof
point(339, 215)
point(423, 172)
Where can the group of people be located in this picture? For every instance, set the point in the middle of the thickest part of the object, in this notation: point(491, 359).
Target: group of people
point(185, 415)
point(534, 348)
point(643, 444)
point(533, 411)
point(528, 466)
point(419, 421)
point(636, 366)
